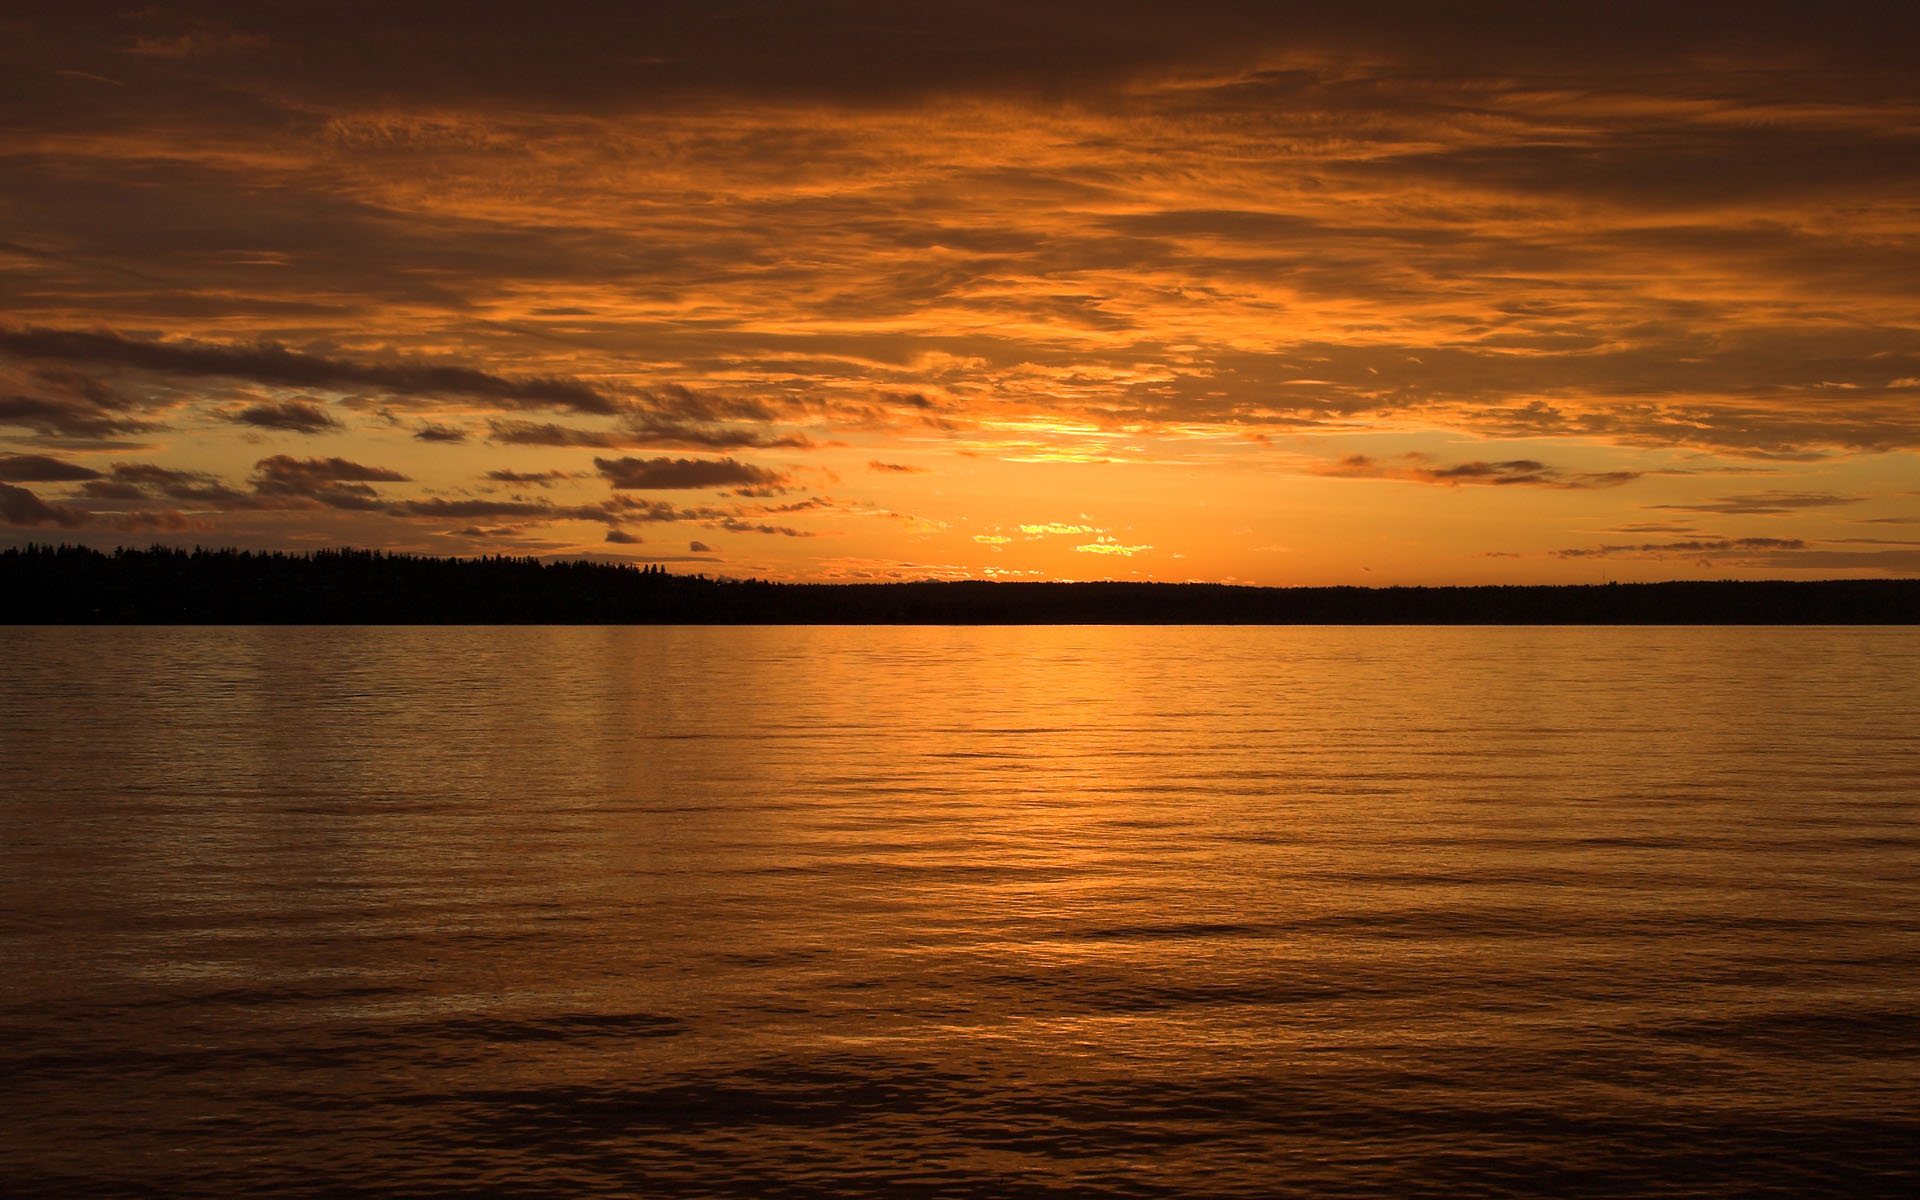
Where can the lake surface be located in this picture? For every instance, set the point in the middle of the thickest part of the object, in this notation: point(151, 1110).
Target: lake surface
point(1072, 911)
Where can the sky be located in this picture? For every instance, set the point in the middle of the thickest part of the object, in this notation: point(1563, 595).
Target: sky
point(1263, 293)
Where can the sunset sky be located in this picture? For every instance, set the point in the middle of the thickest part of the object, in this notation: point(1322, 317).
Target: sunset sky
point(1250, 292)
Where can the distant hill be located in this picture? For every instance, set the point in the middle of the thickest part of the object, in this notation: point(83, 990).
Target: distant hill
point(76, 585)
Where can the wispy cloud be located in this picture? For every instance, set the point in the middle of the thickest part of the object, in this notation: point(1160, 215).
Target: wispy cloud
point(1772, 503)
point(1525, 472)
point(1109, 546)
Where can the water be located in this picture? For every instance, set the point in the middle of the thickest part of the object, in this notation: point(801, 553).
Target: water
point(959, 912)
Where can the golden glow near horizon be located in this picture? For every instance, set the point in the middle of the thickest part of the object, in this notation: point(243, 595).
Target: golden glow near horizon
point(1357, 304)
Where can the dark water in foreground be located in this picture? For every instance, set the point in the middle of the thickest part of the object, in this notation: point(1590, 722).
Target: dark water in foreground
point(960, 912)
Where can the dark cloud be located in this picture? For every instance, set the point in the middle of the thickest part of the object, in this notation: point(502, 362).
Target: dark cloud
point(1692, 548)
point(115, 490)
point(536, 478)
point(1416, 468)
point(39, 468)
point(615, 513)
point(194, 486)
point(18, 506)
point(1756, 391)
point(737, 525)
point(638, 431)
point(699, 548)
point(68, 404)
point(536, 433)
point(622, 537)
point(644, 432)
point(430, 432)
point(1773, 503)
point(286, 468)
point(271, 363)
point(1674, 164)
point(334, 482)
point(288, 416)
point(581, 54)
point(896, 468)
point(669, 403)
point(661, 474)
point(645, 508)
point(1768, 553)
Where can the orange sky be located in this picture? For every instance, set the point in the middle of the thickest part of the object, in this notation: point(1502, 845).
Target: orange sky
point(874, 291)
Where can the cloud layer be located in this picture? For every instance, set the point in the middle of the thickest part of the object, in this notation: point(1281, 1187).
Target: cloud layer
point(1419, 298)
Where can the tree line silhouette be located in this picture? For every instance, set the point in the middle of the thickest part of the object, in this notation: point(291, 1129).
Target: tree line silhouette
point(44, 584)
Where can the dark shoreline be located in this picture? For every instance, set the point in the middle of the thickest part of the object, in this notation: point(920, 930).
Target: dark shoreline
point(68, 585)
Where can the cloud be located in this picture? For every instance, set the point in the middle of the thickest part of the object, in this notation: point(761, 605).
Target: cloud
point(114, 489)
point(640, 431)
point(699, 548)
point(1525, 472)
point(177, 484)
point(675, 53)
point(39, 468)
point(1668, 527)
point(895, 468)
point(435, 506)
point(334, 482)
point(1771, 503)
point(1695, 547)
point(1892, 562)
point(288, 416)
point(271, 363)
point(1649, 237)
point(658, 474)
point(284, 468)
point(537, 433)
point(545, 479)
point(645, 508)
point(284, 482)
point(848, 569)
point(67, 404)
point(1056, 528)
point(1767, 553)
point(622, 537)
point(737, 525)
point(18, 506)
point(1111, 547)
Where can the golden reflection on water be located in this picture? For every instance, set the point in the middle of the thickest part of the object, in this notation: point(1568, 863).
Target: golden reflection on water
point(877, 911)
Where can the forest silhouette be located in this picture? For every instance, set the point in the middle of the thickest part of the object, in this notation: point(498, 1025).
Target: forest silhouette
point(43, 584)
